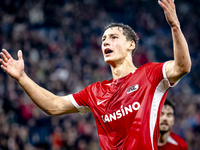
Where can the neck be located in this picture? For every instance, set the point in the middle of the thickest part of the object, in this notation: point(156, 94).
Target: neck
point(122, 69)
point(162, 140)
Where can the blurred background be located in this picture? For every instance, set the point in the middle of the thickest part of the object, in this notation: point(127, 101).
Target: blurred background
point(61, 44)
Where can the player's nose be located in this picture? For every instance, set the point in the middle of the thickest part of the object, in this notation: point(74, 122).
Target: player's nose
point(106, 42)
point(163, 117)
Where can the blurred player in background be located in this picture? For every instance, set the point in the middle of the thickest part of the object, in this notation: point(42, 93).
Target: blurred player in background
point(167, 139)
point(127, 107)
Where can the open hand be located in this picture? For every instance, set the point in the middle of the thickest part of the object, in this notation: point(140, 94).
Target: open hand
point(170, 12)
point(15, 68)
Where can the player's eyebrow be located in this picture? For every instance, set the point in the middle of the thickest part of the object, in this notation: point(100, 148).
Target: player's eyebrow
point(110, 35)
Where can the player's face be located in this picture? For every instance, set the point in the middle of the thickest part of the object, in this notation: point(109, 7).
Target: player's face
point(114, 45)
point(166, 118)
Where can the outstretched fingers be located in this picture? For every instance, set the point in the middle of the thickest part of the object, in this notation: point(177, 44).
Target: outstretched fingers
point(3, 61)
point(6, 53)
point(167, 1)
point(3, 65)
point(162, 5)
point(4, 58)
point(13, 67)
point(166, 4)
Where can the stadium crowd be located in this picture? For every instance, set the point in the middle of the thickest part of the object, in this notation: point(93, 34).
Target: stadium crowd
point(61, 43)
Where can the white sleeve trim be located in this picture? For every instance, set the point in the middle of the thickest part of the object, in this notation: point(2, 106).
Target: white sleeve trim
point(82, 109)
point(165, 76)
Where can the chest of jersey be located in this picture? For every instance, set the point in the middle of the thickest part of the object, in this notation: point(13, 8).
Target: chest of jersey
point(126, 109)
point(120, 100)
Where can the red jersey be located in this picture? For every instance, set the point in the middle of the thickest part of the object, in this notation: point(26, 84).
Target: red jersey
point(174, 142)
point(127, 110)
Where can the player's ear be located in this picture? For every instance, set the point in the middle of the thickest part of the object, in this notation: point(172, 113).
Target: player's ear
point(131, 46)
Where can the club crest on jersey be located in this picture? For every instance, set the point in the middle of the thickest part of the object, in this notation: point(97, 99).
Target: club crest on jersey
point(133, 88)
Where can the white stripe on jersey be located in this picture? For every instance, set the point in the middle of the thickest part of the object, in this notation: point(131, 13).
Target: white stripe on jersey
point(154, 109)
point(159, 92)
point(171, 140)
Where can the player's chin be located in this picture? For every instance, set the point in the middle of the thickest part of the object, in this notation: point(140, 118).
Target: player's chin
point(108, 60)
point(165, 128)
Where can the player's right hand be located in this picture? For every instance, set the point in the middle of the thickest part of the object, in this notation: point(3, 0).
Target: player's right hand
point(15, 68)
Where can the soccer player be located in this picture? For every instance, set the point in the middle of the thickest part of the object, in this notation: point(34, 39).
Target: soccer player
point(167, 139)
point(127, 107)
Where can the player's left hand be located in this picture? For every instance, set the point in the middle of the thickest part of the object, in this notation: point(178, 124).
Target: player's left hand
point(170, 12)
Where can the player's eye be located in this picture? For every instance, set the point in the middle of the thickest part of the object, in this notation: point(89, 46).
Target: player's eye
point(169, 115)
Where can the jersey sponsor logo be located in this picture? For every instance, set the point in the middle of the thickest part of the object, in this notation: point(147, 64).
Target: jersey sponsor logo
point(98, 103)
point(133, 88)
point(123, 111)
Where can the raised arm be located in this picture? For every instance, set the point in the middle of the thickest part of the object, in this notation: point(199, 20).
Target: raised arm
point(181, 64)
point(47, 101)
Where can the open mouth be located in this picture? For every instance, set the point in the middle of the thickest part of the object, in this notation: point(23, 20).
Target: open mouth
point(107, 51)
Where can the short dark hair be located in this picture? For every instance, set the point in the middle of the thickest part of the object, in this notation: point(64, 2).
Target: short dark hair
point(170, 103)
point(128, 32)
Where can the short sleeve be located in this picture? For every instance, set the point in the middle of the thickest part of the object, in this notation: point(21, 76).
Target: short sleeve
point(81, 108)
point(165, 76)
point(81, 100)
point(156, 73)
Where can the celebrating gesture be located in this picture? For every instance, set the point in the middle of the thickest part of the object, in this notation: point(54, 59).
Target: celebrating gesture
point(127, 107)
